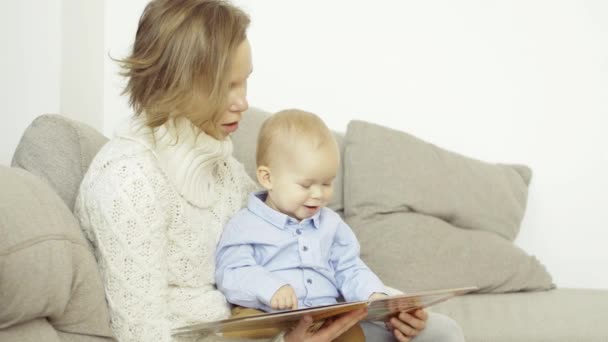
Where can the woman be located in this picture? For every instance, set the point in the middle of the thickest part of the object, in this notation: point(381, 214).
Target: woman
point(155, 199)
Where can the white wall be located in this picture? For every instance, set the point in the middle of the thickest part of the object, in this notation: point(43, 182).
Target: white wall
point(503, 81)
point(513, 81)
point(120, 27)
point(30, 67)
point(83, 57)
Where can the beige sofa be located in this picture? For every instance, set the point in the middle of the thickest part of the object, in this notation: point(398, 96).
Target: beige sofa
point(50, 289)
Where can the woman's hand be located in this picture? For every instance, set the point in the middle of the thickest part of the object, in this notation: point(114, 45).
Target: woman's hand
point(330, 330)
point(408, 325)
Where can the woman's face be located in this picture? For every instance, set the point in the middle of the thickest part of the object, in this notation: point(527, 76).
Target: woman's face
point(237, 96)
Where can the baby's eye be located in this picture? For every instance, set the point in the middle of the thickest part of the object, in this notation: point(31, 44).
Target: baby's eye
point(305, 186)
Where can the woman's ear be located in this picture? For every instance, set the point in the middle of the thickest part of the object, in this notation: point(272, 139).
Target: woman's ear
point(264, 177)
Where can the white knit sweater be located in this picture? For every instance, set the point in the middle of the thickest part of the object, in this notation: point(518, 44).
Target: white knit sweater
point(153, 204)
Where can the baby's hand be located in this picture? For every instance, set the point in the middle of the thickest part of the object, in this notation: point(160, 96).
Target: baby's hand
point(377, 295)
point(284, 298)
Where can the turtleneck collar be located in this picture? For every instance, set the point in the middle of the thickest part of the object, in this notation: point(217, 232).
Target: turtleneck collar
point(188, 155)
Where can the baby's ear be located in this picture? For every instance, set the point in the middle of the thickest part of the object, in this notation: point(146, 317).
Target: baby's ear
point(264, 177)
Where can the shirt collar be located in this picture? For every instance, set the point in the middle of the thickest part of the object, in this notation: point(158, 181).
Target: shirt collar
point(256, 205)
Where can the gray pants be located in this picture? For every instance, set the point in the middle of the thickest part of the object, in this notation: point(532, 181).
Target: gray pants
point(439, 328)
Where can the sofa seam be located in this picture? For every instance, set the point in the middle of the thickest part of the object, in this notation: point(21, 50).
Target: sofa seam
point(31, 242)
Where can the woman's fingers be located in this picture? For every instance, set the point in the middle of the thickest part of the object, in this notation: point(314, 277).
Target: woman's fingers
point(416, 320)
point(400, 336)
point(339, 325)
point(403, 327)
point(331, 328)
point(421, 314)
point(302, 326)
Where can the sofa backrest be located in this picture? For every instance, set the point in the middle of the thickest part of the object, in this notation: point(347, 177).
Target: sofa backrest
point(59, 151)
point(48, 273)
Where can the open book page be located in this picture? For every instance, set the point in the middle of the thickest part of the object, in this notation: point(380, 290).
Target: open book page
point(378, 310)
point(381, 309)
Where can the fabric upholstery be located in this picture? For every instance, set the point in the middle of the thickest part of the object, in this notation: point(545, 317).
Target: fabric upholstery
point(561, 315)
point(46, 267)
point(415, 252)
point(392, 171)
point(58, 150)
point(31, 331)
point(444, 220)
point(245, 141)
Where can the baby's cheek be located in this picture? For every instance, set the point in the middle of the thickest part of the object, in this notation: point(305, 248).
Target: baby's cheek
point(328, 194)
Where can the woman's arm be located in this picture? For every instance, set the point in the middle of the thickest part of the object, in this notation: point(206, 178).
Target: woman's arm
point(121, 209)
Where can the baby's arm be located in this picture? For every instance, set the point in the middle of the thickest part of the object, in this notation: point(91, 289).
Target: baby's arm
point(355, 280)
point(238, 274)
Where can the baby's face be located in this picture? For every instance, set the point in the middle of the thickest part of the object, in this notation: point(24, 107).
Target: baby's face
point(302, 180)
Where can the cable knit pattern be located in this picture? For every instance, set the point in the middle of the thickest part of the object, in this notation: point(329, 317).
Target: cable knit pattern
point(153, 204)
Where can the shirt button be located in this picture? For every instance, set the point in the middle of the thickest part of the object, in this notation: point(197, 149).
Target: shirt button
point(309, 281)
point(298, 231)
point(304, 248)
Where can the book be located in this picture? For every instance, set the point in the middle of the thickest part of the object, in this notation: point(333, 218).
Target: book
point(377, 310)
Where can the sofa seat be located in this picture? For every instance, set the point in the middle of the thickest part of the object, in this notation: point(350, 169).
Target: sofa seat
point(567, 315)
point(59, 150)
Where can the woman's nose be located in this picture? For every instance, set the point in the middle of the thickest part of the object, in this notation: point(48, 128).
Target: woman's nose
point(239, 104)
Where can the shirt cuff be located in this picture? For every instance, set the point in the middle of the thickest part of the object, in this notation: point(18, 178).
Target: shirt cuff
point(363, 292)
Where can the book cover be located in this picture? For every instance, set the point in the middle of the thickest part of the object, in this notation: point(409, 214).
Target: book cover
point(378, 310)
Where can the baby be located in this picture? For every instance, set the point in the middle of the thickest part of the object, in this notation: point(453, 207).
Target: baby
point(286, 250)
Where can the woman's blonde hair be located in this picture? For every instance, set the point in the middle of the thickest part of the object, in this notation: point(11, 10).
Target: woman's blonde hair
point(288, 126)
point(181, 59)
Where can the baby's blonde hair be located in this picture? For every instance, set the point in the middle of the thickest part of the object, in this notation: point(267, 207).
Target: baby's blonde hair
point(285, 127)
point(181, 59)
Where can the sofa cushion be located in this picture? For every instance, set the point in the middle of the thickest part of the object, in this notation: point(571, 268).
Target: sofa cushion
point(245, 141)
point(31, 331)
point(428, 218)
point(561, 315)
point(46, 267)
point(416, 252)
point(395, 171)
point(58, 150)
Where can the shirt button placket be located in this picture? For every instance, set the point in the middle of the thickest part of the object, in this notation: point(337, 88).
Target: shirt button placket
point(306, 254)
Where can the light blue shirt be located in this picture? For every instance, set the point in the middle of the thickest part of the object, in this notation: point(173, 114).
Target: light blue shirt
point(262, 249)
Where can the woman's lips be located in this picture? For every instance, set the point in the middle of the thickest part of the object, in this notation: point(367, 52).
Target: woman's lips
point(231, 127)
